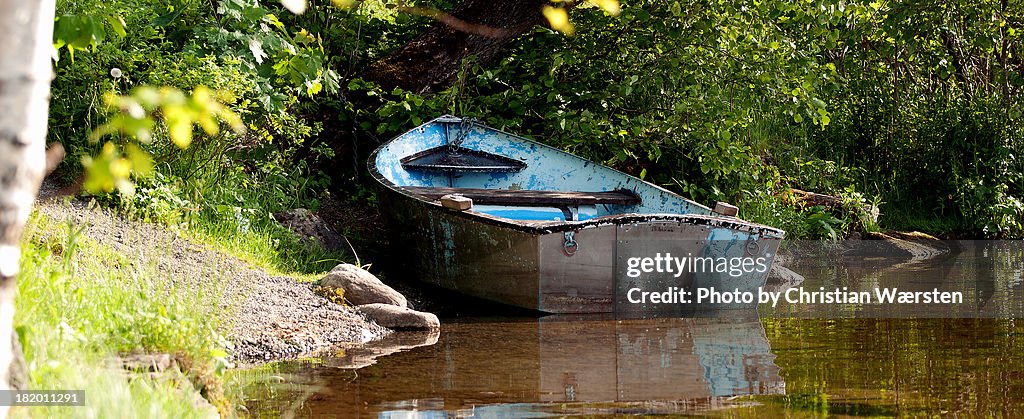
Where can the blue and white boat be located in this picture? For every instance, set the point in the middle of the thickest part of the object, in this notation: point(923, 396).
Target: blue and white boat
point(550, 231)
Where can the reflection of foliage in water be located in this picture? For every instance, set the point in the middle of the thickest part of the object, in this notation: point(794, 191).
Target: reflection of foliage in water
point(900, 366)
point(279, 388)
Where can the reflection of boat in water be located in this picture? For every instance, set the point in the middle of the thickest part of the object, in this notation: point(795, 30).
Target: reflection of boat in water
point(513, 368)
point(654, 359)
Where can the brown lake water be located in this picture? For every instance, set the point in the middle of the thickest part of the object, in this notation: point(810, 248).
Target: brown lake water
point(728, 363)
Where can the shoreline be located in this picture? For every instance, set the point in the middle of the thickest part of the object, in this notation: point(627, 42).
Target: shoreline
point(269, 316)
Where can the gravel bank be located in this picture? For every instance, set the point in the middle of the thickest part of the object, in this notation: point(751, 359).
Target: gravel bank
point(270, 317)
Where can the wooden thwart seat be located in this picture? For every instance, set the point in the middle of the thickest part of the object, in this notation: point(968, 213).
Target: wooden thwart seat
point(529, 197)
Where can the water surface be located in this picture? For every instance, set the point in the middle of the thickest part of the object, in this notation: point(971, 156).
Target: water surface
point(735, 362)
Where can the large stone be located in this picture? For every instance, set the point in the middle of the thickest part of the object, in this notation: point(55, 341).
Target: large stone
point(399, 318)
point(311, 227)
point(360, 287)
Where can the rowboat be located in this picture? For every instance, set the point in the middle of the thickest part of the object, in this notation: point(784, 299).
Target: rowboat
point(497, 216)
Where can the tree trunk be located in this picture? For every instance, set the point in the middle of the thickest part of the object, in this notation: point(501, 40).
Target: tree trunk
point(26, 33)
point(477, 28)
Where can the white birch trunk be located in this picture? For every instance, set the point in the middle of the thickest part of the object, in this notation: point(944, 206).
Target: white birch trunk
point(26, 33)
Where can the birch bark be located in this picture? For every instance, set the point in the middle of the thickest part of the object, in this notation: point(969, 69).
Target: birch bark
point(26, 33)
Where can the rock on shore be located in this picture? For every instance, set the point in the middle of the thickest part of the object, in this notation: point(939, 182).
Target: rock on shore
point(360, 287)
point(375, 300)
point(399, 318)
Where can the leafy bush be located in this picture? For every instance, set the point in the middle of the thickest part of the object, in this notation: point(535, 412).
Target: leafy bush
point(860, 100)
point(734, 101)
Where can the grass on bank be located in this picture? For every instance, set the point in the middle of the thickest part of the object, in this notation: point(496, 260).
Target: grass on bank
point(81, 304)
point(230, 213)
point(268, 246)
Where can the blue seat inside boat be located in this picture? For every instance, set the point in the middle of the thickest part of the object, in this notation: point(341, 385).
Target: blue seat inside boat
point(580, 213)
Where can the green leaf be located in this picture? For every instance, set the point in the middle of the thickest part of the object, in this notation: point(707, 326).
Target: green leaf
point(142, 162)
point(166, 19)
point(117, 22)
point(676, 9)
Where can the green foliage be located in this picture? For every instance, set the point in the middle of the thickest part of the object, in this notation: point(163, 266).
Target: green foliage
point(180, 113)
point(232, 210)
point(284, 62)
point(157, 200)
point(860, 100)
point(870, 102)
point(244, 67)
point(112, 168)
point(934, 129)
point(766, 208)
point(685, 96)
point(134, 118)
point(81, 32)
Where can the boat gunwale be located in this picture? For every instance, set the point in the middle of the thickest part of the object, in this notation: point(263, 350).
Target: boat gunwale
point(546, 227)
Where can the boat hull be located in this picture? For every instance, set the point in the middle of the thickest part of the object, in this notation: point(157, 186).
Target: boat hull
point(529, 267)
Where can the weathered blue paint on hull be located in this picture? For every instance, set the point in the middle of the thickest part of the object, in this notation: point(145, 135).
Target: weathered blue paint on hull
point(518, 255)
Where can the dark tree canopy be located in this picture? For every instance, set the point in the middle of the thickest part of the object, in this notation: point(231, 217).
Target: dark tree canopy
point(475, 28)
